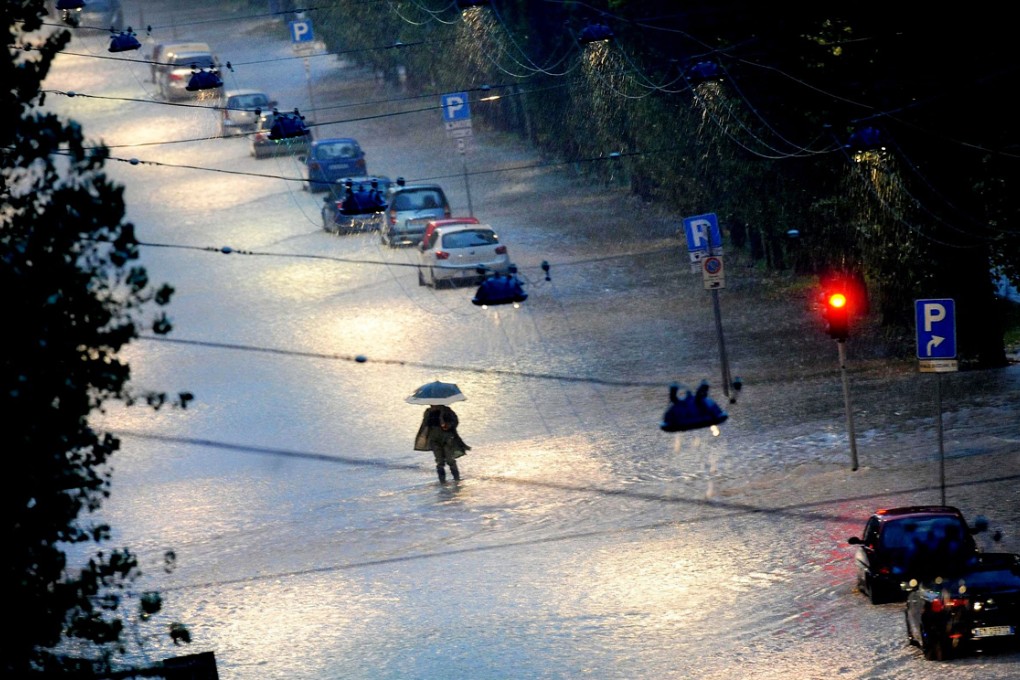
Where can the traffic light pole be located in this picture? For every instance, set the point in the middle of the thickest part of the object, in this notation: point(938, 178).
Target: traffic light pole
point(849, 408)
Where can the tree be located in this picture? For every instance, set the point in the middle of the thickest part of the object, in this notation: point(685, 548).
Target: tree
point(73, 297)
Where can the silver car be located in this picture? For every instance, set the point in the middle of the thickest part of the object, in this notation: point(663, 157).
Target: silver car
point(411, 208)
point(241, 110)
point(461, 253)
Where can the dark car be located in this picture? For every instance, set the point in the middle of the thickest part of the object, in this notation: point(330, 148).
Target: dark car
point(263, 144)
point(919, 541)
point(975, 609)
point(331, 160)
point(411, 208)
point(358, 210)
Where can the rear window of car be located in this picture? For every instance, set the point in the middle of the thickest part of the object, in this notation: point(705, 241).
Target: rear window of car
point(333, 151)
point(418, 199)
point(189, 60)
point(248, 101)
point(928, 532)
point(470, 239)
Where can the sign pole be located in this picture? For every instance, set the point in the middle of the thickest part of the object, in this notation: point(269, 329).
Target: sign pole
point(461, 145)
point(849, 408)
point(942, 451)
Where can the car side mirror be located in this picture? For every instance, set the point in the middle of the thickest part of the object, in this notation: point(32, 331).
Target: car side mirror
point(855, 540)
point(302, 158)
point(273, 103)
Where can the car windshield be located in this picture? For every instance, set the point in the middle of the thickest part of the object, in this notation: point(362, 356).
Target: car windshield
point(249, 101)
point(470, 239)
point(334, 151)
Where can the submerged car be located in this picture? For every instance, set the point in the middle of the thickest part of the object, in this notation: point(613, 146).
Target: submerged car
point(975, 609)
point(899, 544)
point(461, 253)
point(331, 160)
point(263, 144)
point(241, 110)
point(411, 207)
point(358, 210)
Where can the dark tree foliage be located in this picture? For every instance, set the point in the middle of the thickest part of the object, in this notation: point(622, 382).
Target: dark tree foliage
point(73, 297)
point(935, 215)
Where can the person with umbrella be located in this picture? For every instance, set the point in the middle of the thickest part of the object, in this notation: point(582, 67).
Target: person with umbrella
point(438, 431)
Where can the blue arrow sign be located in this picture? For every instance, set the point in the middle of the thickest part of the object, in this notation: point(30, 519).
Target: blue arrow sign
point(703, 233)
point(936, 328)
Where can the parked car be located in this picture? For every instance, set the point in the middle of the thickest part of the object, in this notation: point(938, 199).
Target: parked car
point(102, 14)
point(178, 62)
point(331, 160)
point(263, 146)
point(339, 216)
point(411, 207)
point(461, 253)
point(241, 109)
point(976, 608)
point(899, 544)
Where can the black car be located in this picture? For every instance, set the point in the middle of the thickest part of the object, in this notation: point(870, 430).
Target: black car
point(920, 541)
point(975, 609)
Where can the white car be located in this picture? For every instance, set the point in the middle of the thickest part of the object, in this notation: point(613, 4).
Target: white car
point(461, 253)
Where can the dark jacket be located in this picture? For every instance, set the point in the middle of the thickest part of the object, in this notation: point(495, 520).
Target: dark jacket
point(435, 423)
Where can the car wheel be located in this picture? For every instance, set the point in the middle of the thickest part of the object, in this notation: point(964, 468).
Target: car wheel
point(421, 278)
point(436, 283)
point(876, 593)
point(936, 647)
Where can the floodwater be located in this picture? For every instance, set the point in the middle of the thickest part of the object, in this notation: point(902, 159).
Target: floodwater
point(311, 541)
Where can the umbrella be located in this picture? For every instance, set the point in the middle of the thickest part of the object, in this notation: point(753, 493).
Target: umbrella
point(436, 393)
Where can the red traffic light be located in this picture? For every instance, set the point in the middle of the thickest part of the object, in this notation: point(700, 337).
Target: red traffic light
point(838, 317)
point(837, 300)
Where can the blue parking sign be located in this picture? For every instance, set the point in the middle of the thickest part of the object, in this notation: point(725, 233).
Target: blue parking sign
point(301, 31)
point(936, 328)
point(703, 234)
point(455, 107)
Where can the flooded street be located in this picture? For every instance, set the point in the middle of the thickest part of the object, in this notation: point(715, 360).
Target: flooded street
point(312, 541)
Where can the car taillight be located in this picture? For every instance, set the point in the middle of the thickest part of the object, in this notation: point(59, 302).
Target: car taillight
point(442, 255)
point(446, 212)
point(501, 250)
point(361, 166)
point(176, 76)
point(946, 602)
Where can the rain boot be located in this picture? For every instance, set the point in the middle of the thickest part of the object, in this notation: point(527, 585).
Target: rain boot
point(441, 471)
point(454, 471)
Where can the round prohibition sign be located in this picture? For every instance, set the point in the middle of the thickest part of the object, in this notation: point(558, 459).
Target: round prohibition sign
point(713, 265)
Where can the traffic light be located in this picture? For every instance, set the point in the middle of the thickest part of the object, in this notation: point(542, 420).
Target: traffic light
point(837, 315)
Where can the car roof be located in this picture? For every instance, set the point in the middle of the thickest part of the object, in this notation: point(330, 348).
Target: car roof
point(448, 221)
point(453, 228)
point(913, 510)
point(241, 93)
point(407, 187)
point(185, 47)
point(336, 140)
